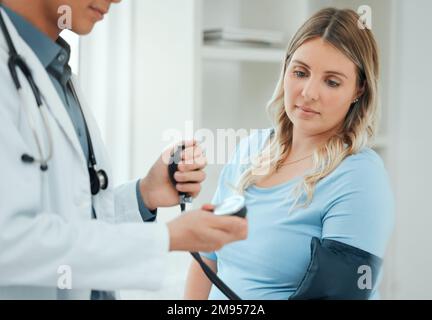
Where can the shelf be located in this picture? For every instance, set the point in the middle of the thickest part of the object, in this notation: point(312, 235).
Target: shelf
point(243, 54)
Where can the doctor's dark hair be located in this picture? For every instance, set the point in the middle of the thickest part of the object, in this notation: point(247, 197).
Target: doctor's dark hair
point(340, 28)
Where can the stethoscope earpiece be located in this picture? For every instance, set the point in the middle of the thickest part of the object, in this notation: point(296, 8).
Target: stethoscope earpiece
point(27, 158)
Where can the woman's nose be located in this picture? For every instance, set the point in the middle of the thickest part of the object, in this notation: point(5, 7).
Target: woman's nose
point(310, 90)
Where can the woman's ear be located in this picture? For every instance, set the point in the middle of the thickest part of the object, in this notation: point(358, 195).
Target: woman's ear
point(360, 91)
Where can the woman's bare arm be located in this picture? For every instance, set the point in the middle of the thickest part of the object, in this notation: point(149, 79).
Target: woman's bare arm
point(197, 284)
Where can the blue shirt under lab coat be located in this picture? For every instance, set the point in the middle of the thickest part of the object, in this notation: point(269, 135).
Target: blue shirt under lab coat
point(55, 56)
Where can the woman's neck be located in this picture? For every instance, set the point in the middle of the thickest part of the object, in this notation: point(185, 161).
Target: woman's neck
point(304, 144)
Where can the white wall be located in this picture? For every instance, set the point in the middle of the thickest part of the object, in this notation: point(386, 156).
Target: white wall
point(137, 71)
point(163, 99)
point(164, 88)
point(105, 76)
point(411, 100)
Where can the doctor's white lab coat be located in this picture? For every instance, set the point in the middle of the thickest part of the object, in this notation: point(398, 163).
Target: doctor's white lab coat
point(47, 236)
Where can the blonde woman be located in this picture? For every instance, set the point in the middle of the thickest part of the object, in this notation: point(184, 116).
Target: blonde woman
point(320, 218)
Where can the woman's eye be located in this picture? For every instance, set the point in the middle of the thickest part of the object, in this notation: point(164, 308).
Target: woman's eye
point(299, 74)
point(333, 84)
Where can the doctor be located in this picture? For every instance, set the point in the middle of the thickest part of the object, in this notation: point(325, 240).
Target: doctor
point(65, 232)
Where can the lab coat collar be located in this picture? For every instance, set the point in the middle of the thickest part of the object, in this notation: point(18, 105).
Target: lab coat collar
point(49, 94)
point(46, 49)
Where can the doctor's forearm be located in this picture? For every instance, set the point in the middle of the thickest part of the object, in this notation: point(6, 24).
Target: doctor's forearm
point(146, 194)
point(146, 214)
point(47, 243)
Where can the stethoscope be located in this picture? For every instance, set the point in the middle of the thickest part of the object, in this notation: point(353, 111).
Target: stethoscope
point(98, 178)
point(234, 205)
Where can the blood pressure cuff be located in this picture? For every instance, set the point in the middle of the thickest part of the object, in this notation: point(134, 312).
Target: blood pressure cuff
point(338, 271)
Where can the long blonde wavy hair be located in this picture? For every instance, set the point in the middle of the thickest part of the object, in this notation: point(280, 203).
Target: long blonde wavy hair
point(341, 29)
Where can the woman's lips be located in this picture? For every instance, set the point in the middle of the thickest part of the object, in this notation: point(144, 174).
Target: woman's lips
point(306, 111)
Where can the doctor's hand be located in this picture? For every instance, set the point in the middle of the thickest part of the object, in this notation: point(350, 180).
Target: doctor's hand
point(157, 189)
point(201, 230)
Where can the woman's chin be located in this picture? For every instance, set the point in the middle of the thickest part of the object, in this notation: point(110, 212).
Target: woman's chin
point(306, 126)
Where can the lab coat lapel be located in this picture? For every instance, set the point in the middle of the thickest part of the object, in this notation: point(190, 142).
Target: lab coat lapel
point(93, 128)
point(46, 87)
point(59, 112)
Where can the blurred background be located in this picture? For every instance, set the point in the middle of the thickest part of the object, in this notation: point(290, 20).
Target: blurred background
point(146, 70)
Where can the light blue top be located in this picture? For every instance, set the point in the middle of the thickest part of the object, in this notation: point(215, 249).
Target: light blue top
point(354, 205)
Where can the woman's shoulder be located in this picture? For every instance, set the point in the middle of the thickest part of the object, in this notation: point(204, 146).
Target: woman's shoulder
point(363, 173)
point(366, 162)
point(250, 146)
point(256, 139)
point(246, 150)
point(367, 155)
point(358, 196)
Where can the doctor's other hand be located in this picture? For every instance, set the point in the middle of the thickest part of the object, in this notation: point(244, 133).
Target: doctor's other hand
point(157, 189)
point(201, 230)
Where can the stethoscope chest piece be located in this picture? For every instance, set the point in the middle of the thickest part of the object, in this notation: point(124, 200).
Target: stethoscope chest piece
point(98, 180)
point(233, 206)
